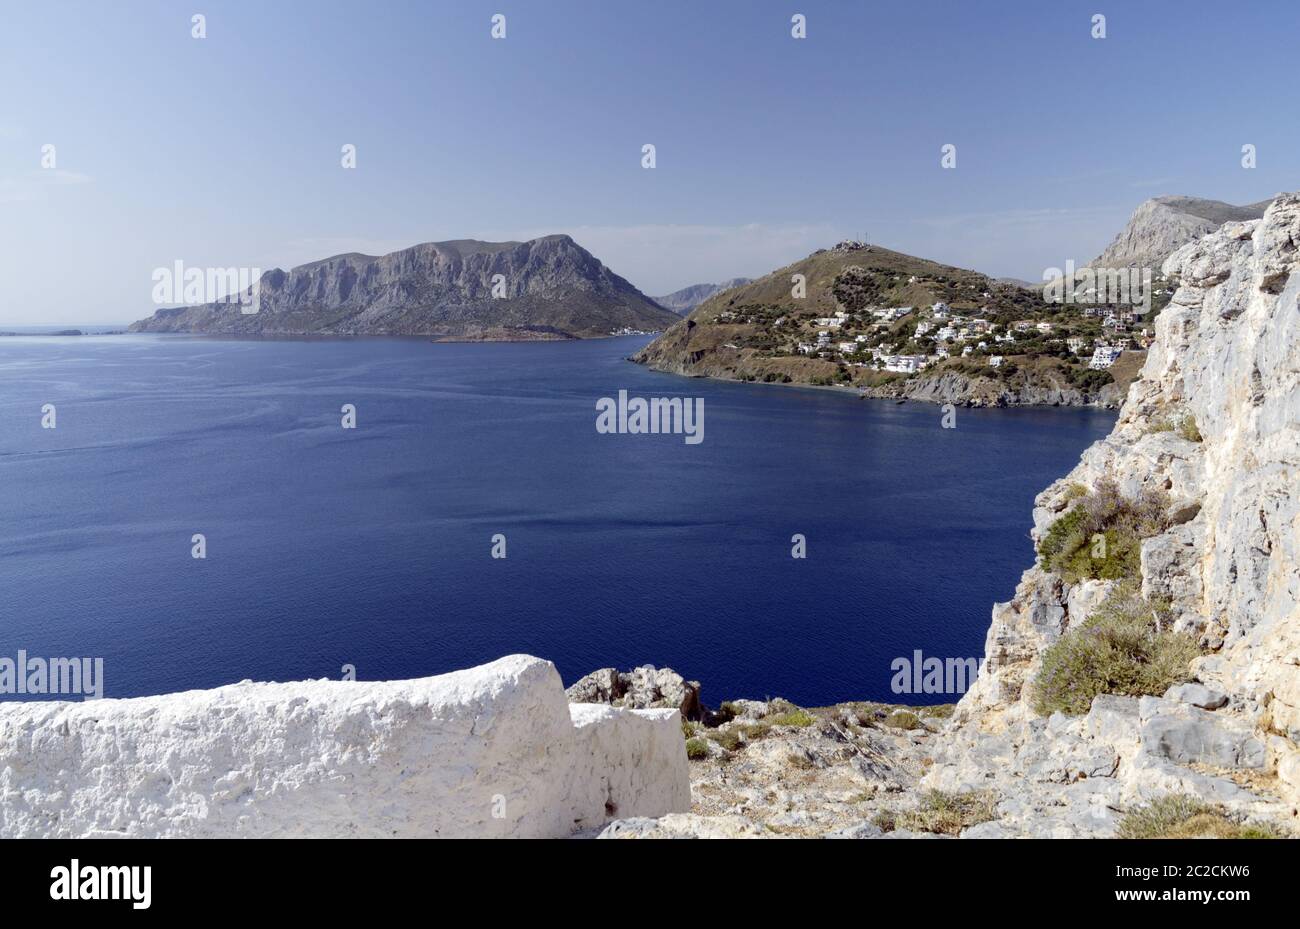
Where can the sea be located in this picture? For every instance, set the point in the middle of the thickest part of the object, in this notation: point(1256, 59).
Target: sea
point(352, 499)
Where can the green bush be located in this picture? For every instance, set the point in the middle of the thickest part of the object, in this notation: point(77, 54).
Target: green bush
point(795, 717)
point(1184, 425)
point(1188, 429)
point(1179, 816)
point(1100, 535)
point(696, 748)
point(1124, 648)
point(943, 813)
point(727, 738)
point(902, 719)
point(728, 711)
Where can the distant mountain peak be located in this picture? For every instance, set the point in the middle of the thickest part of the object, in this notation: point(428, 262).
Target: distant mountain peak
point(1161, 225)
point(553, 288)
point(688, 298)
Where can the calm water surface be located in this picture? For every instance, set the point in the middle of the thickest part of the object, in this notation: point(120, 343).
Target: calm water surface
point(370, 547)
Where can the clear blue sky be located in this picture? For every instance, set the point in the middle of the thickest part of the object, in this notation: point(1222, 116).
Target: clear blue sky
point(226, 150)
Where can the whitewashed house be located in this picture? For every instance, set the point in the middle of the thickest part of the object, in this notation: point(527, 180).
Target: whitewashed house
point(1104, 356)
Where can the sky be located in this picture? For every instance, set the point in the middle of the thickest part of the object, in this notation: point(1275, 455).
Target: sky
point(226, 150)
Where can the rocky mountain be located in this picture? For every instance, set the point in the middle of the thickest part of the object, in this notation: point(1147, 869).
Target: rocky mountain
point(1143, 685)
point(1160, 226)
point(688, 298)
point(759, 332)
point(552, 288)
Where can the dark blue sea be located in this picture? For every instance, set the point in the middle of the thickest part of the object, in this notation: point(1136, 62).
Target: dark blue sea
point(371, 547)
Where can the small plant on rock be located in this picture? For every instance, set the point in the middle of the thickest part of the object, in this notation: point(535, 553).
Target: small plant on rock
point(1181, 816)
point(946, 813)
point(795, 717)
point(1126, 647)
point(902, 719)
point(1100, 535)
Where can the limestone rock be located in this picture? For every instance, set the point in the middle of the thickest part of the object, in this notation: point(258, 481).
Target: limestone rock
point(1197, 695)
point(641, 688)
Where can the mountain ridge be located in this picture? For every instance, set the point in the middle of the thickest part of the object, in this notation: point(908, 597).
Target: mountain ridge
point(688, 298)
point(552, 288)
point(1161, 225)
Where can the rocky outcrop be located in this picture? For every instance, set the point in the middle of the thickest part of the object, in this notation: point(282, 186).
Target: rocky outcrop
point(767, 769)
point(1227, 355)
point(963, 390)
point(1162, 225)
point(642, 688)
point(547, 288)
point(493, 751)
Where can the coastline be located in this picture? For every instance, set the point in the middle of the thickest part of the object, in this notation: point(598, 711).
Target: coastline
point(931, 390)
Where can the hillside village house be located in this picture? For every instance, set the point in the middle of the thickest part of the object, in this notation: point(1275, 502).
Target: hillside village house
point(1104, 356)
point(891, 314)
point(940, 310)
point(995, 361)
point(905, 364)
point(1076, 344)
point(1044, 327)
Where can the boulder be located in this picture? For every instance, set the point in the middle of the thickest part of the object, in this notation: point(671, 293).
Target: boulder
point(1197, 695)
point(641, 688)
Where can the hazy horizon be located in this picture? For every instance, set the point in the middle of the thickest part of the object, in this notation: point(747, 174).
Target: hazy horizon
point(226, 150)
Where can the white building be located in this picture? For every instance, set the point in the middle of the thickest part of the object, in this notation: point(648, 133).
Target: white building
point(892, 313)
point(905, 364)
point(940, 310)
point(1104, 356)
point(995, 361)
